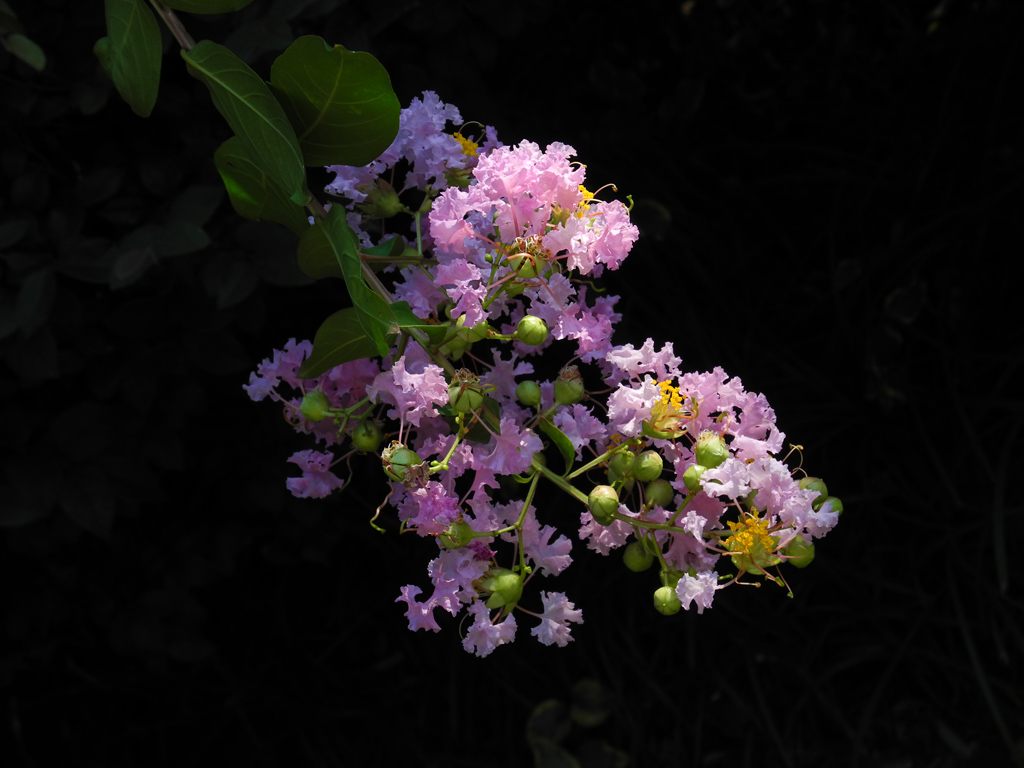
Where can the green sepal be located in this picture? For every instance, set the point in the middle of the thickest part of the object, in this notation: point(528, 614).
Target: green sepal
point(131, 53)
point(340, 102)
point(255, 116)
point(253, 194)
point(558, 437)
point(477, 433)
point(339, 339)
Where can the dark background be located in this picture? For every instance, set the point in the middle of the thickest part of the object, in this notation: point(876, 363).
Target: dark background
point(829, 195)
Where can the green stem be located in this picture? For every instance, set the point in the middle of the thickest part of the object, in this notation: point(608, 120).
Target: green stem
point(558, 480)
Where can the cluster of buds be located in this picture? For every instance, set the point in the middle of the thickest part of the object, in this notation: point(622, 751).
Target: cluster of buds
point(513, 239)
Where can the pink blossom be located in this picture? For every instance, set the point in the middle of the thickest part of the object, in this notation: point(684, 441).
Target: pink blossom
point(484, 635)
point(512, 450)
point(554, 624)
point(317, 480)
point(699, 589)
point(414, 395)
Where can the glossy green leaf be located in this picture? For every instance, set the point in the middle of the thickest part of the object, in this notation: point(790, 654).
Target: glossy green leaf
point(244, 100)
point(206, 6)
point(340, 339)
point(340, 102)
point(131, 53)
point(252, 193)
point(332, 238)
point(406, 319)
point(560, 440)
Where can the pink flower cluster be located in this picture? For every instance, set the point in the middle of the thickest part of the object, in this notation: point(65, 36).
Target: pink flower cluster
point(512, 232)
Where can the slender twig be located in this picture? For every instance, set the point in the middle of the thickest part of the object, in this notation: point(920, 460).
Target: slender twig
point(174, 24)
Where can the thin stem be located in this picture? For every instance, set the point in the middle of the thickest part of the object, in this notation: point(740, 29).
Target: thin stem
point(174, 24)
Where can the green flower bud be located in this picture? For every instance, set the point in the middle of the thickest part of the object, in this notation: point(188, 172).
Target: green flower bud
point(464, 393)
point(367, 436)
point(457, 535)
point(455, 348)
point(528, 392)
point(799, 552)
point(711, 449)
point(569, 386)
point(648, 466)
point(397, 459)
point(691, 477)
point(636, 557)
point(837, 505)
point(659, 493)
point(603, 501)
point(666, 601)
point(621, 464)
point(315, 406)
point(505, 586)
point(814, 484)
point(532, 331)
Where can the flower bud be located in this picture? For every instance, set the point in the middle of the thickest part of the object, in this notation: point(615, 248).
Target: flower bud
point(648, 466)
point(814, 484)
point(666, 601)
point(636, 557)
point(603, 502)
point(569, 386)
point(691, 477)
point(528, 392)
point(799, 552)
point(397, 459)
point(457, 535)
point(315, 406)
point(659, 493)
point(711, 449)
point(532, 331)
point(505, 586)
point(621, 464)
point(837, 505)
point(367, 436)
point(464, 393)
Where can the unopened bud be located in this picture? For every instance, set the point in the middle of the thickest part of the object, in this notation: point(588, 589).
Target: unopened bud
point(603, 502)
point(648, 466)
point(464, 393)
point(528, 392)
point(569, 386)
point(397, 460)
point(799, 553)
point(711, 449)
point(659, 493)
point(367, 436)
point(636, 557)
point(691, 477)
point(532, 331)
point(315, 406)
point(505, 586)
point(666, 601)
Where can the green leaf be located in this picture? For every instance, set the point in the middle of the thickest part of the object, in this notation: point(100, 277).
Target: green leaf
point(333, 238)
point(563, 443)
point(207, 6)
point(26, 50)
point(339, 339)
point(406, 319)
point(244, 100)
point(131, 53)
point(252, 193)
point(340, 102)
point(389, 248)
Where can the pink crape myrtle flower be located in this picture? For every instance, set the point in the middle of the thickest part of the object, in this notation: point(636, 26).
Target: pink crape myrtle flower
point(699, 589)
point(554, 625)
point(317, 480)
point(485, 635)
point(414, 393)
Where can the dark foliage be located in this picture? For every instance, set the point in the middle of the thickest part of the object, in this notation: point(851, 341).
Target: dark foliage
point(830, 202)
